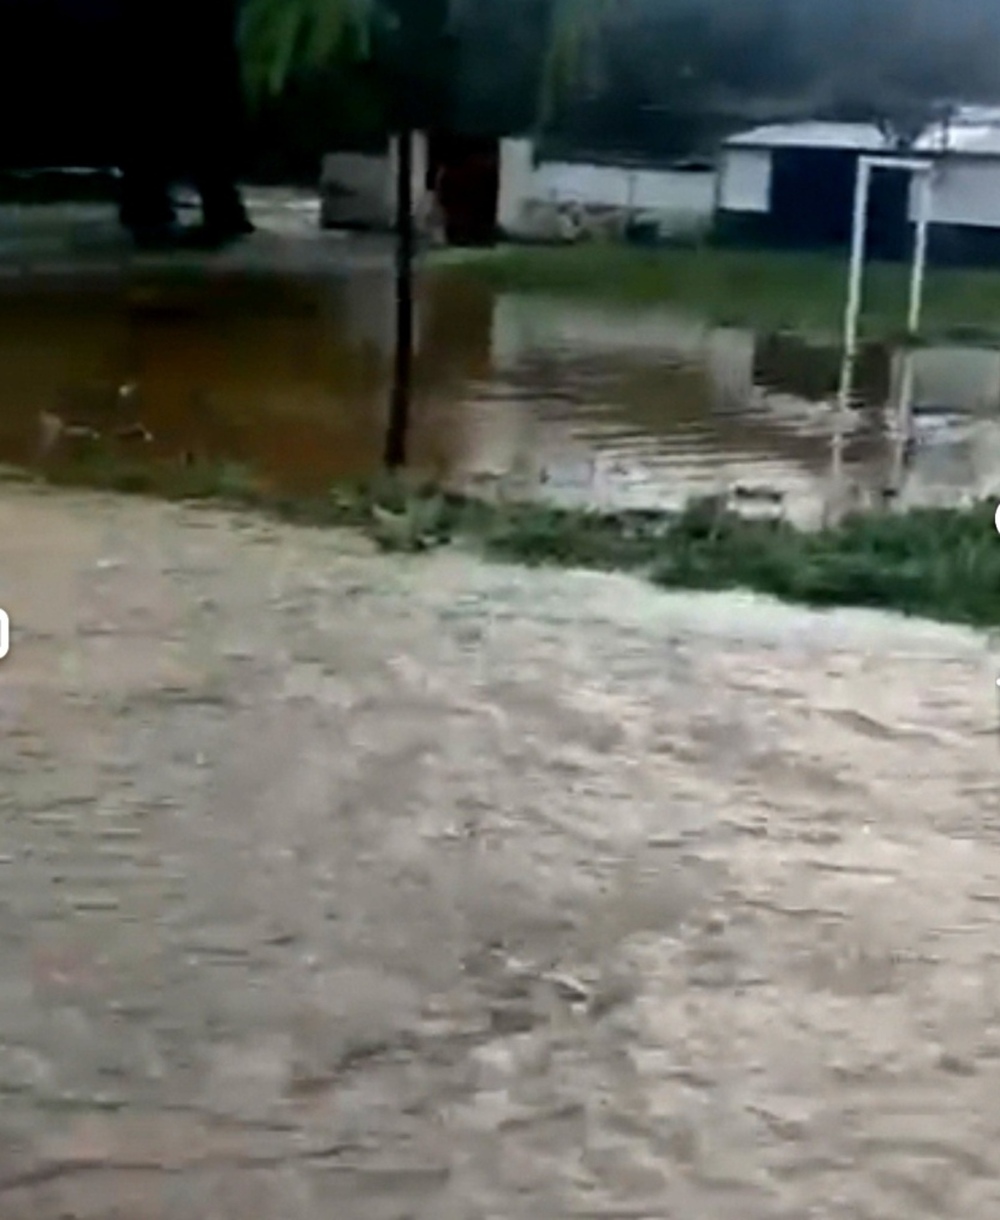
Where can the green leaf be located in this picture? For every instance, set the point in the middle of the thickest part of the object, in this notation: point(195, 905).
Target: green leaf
point(282, 37)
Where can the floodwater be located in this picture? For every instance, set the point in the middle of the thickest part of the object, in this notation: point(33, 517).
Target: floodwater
point(340, 887)
point(515, 395)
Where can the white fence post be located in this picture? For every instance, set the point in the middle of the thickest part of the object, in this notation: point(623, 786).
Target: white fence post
point(859, 232)
point(854, 285)
point(920, 254)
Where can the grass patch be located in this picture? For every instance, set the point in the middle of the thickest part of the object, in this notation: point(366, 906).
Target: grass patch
point(941, 563)
point(938, 563)
point(799, 292)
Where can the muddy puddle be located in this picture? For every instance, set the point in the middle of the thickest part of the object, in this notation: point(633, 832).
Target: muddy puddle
point(518, 395)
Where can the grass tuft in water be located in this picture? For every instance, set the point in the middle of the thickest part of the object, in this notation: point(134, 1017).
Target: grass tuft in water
point(938, 563)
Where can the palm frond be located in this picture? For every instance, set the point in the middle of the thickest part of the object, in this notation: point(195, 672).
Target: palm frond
point(573, 27)
point(279, 37)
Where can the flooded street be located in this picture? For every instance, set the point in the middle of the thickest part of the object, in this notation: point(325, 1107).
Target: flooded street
point(337, 884)
point(516, 395)
point(344, 885)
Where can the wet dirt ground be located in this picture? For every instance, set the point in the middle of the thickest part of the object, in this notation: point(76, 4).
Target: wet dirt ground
point(335, 885)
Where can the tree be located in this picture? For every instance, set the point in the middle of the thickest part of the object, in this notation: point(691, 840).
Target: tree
point(281, 37)
point(410, 44)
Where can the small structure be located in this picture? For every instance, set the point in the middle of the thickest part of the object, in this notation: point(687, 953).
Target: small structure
point(570, 200)
point(358, 190)
point(480, 188)
point(793, 185)
point(965, 191)
point(456, 187)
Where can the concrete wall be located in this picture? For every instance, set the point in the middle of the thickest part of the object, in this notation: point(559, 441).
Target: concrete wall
point(745, 180)
point(551, 200)
point(566, 200)
point(644, 190)
point(964, 192)
point(517, 176)
point(358, 190)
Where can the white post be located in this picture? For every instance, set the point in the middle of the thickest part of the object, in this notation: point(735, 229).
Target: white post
point(904, 406)
point(920, 254)
point(859, 228)
point(859, 233)
point(630, 195)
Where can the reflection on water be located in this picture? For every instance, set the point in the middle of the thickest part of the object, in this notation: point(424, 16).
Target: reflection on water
point(531, 396)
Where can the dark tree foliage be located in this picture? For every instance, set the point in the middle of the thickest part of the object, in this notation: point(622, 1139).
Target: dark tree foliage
point(675, 74)
point(669, 78)
point(58, 89)
point(664, 78)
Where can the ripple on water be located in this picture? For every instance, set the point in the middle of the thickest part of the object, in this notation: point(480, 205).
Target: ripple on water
point(536, 396)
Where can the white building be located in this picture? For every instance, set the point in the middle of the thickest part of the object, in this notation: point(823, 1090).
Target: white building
point(965, 192)
point(358, 190)
point(542, 200)
point(569, 198)
point(793, 184)
point(746, 166)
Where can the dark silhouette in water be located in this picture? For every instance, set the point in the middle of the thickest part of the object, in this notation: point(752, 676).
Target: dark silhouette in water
point(182, 117)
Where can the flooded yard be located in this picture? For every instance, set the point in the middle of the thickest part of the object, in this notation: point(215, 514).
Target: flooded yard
point(515, 395)
point(341, 885)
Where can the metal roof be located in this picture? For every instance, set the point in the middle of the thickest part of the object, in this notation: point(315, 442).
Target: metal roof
point(859, 137)
point(964, 139)
point(971, 131)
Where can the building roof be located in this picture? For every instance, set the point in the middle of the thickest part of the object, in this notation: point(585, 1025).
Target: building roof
point(973, 131)
point(962, 138)
point(859, 137)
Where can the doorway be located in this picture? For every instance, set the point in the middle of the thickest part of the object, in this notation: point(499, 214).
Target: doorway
point(464, 174)
point(888, 235)
point(812, 202)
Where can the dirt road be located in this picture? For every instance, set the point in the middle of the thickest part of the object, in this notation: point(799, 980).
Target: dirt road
point(340, 886)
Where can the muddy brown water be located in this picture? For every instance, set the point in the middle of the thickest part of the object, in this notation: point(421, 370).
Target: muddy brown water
point(515, 394)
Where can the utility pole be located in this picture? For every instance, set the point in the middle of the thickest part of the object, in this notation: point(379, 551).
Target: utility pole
point(421, 67)
point(402, 364)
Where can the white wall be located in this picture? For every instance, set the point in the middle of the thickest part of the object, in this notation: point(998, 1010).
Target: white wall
point(745, 180)
point(360, 189)
point(517, 176)
point(418, 177)
point(639, 189)
point(363, 190)
point(964, 192)
point(352, 187)
point(679, 201)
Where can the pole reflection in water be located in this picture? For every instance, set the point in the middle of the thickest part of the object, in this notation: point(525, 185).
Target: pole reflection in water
point(522, 392)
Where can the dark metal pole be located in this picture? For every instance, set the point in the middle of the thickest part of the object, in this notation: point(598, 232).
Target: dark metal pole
point(402, 372)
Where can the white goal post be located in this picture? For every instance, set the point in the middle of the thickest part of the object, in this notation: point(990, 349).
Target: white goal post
point(859, 232)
